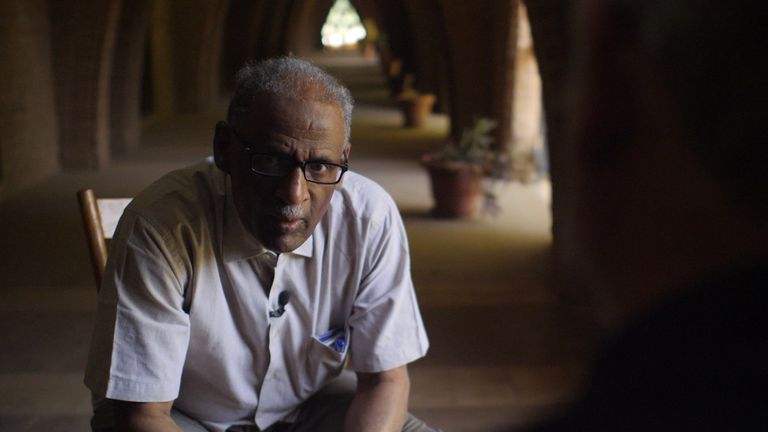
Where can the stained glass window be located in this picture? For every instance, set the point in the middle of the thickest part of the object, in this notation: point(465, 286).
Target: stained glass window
point(342, 26)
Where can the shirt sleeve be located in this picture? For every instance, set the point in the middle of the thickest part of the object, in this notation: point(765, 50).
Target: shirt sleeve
point(386, 329)
point(141, 335)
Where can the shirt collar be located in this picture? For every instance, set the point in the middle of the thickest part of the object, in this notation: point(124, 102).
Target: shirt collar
point(238, 243)
point(306, 248)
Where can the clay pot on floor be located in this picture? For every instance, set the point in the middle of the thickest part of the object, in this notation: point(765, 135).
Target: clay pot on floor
point(416, 108)
point(456, 188)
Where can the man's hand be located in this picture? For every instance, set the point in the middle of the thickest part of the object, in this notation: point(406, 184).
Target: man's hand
point(144, 417)
point(380, 403)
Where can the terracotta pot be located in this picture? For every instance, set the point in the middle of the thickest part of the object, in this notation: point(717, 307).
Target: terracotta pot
point(416, 108)
point(369, 50)
point(456, 188)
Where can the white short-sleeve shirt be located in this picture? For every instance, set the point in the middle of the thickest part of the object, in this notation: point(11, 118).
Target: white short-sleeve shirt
point(183, 316)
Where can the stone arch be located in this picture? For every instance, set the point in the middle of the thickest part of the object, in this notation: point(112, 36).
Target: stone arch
point(549, 19)
point(186, 39)
point(526, 122)
point(29, 147)
point(431, 61)
point(242, 42)
point(303, 26)
point(368, 9)
point(277, 15)
point(479, 45)
point(82, 41)
point(125, 99)
point(396, 25)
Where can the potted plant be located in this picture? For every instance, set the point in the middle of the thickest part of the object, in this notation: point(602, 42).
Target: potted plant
point(416, 106)
point(464, 175)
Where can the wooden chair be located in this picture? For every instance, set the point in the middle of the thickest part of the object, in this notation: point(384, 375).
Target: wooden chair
point(100, 217)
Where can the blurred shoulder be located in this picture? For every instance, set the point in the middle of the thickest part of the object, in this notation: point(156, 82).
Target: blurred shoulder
point(183, 194)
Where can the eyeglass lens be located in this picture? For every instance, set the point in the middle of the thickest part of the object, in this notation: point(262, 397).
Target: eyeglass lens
point(317, 172)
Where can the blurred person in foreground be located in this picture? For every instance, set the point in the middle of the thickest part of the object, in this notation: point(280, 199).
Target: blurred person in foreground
point(239, 288)
point(669, 185)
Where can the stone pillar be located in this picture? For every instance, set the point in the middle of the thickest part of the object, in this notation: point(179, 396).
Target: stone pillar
point(550, 28)
point(82, 39)
point(526, 117)
point(274, 29)
point(504, 71)
point(430, 64)
point(196, 31)
point(28, 146)
point(186, 38)
point(478, 48)
point(244, 21)
point(161, 48)
point(398, 29)
point(127, 74)
point(302, 33)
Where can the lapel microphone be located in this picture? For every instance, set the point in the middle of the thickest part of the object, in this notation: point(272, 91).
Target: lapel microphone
point(282, 301)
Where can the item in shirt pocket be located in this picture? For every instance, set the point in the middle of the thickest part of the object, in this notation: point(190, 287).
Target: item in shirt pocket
point(334, 339)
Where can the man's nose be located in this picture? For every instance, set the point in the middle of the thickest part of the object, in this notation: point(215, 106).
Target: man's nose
point(293, 188)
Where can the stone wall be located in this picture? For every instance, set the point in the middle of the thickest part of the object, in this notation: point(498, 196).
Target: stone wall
point(125, 97)
point(82, 40)
point(465, 52)
point(29, 141)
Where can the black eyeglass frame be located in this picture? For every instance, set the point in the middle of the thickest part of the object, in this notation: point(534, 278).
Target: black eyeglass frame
point(251, 150)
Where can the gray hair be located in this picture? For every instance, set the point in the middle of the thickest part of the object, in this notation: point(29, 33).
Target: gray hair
point(289, 77)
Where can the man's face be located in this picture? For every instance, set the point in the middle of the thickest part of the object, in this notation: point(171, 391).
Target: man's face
point(282, 212)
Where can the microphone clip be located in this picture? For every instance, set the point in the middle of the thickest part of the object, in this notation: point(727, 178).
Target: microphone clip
point(282, 301)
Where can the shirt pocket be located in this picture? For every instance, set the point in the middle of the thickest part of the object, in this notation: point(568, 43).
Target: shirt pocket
point(326, 356)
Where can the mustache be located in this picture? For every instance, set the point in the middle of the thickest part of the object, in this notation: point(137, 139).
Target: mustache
point(291, 212)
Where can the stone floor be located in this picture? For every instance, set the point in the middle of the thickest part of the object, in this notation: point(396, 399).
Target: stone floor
point(504, 348)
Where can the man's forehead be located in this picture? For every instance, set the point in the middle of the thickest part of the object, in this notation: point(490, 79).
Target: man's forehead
point(293, 107)
point(285, 121)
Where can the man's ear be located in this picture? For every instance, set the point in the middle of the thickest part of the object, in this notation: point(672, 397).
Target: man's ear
point(221, 146)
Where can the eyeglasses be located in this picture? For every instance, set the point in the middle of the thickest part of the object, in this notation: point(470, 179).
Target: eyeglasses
point(274, 165)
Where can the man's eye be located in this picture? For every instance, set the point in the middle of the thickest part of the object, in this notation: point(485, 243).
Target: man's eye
point(316, 167)
point(266, 160)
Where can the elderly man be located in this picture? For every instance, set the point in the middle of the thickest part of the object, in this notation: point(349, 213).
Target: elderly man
point(669, 198)
point(237, 289)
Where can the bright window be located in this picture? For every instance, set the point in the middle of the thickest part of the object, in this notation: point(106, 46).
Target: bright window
point(342, 27)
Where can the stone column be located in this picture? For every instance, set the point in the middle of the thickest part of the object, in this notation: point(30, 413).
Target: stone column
point(430, 63)
point(478, 48)
point(244, 21)
point(82, 39)
point(196, 31)
point(306, 19)
point(550, 27)
point(28, 145)
point(186, 38)
point(526, 117)
point(161, 49)
point(274, 29)
point(127, 74)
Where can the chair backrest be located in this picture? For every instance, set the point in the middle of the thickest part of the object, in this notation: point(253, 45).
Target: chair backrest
point(100, 217)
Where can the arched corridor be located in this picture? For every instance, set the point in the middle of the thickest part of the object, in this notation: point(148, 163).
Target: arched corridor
point(631, 234)
point(504, 346)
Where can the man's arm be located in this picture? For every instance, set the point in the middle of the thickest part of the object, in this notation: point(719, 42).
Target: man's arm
point(380, 403)
point(144, 417)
